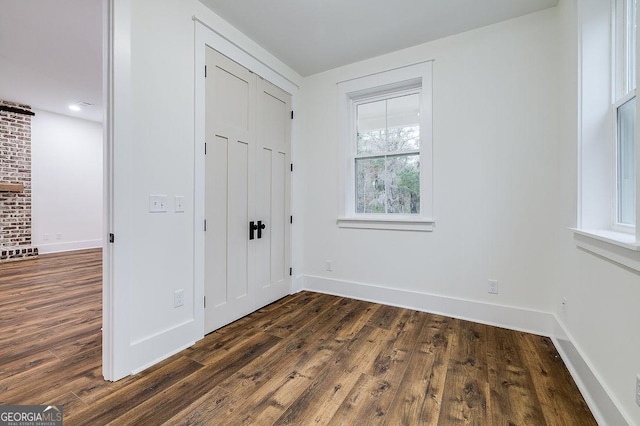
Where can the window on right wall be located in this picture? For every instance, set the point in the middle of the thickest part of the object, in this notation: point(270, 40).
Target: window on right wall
point(624, 111)
point(608, 181)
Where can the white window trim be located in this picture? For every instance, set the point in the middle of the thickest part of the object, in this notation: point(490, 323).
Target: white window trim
point(617, 247)
point(621, 246)
point(416, 75)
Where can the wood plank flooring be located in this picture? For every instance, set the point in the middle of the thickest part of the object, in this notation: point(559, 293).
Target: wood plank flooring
point(306, 359)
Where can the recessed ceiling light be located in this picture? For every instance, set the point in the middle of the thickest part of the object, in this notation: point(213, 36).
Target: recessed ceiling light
point(78, 106)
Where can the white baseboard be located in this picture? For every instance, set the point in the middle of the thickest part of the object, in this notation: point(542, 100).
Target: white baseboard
point(530, 321)
point(297, 283)
point(603, 407)
point(162, 358)
point(69, 246)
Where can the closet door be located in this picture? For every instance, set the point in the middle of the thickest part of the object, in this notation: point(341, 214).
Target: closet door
point(247, 187)
point(273, 189)
point(229, 191)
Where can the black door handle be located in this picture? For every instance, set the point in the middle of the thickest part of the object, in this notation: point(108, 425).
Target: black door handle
point(260, 227)
point(253, 227)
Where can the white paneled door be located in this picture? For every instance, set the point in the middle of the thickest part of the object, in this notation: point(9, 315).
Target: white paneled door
point(247, 190)
point(273, 189)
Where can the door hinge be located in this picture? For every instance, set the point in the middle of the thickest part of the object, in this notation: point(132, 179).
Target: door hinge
point(112, 238)
point(290, 271)
point(205, 301)
point(205, 148)
point(205, 224)
point(291, 166)
point(205, 71)
point(290, 219)
point(292, 115)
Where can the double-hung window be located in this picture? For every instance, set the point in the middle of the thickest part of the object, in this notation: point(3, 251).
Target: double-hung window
point(386, 178)
point(387, 153)
point(624, 110)
point(607, 152)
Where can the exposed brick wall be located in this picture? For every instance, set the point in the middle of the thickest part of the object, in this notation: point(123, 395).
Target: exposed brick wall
point(15, 167)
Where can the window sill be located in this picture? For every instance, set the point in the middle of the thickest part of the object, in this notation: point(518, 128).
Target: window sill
point(395, 224)
point(619, 247)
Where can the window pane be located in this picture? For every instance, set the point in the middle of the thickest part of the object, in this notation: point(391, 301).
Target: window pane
point(371, 121)
point(388, 125)
point(403, 184)
point(627, 163)
point(403, 123)
point(388, 184)
point(370, 186)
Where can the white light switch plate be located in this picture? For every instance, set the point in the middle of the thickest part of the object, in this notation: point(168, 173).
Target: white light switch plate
point(178, 203)
point(157, 203)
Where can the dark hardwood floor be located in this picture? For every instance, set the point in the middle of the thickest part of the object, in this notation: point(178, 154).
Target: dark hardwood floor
point(306, 359)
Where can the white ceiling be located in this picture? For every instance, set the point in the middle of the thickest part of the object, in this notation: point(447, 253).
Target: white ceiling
point(51, 54)
point(317, 35)
point(51, 51)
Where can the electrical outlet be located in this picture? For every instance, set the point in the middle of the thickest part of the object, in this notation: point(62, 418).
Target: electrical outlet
point(45, 237)
point(329, 265)
point(493, 286)
point(178, 298)
point(638, 389)
point(58, 236)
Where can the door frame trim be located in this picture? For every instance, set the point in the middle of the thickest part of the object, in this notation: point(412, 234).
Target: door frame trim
point(206, 36)
point(116, 305)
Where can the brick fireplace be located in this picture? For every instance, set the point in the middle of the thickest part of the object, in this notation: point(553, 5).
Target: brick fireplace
point(15, 182)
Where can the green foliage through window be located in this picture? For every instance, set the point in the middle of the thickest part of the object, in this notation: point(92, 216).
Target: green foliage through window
point(387, 163)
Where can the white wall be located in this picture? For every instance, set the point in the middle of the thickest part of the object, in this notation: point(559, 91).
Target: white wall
point(67, 182)
point(495, 135)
